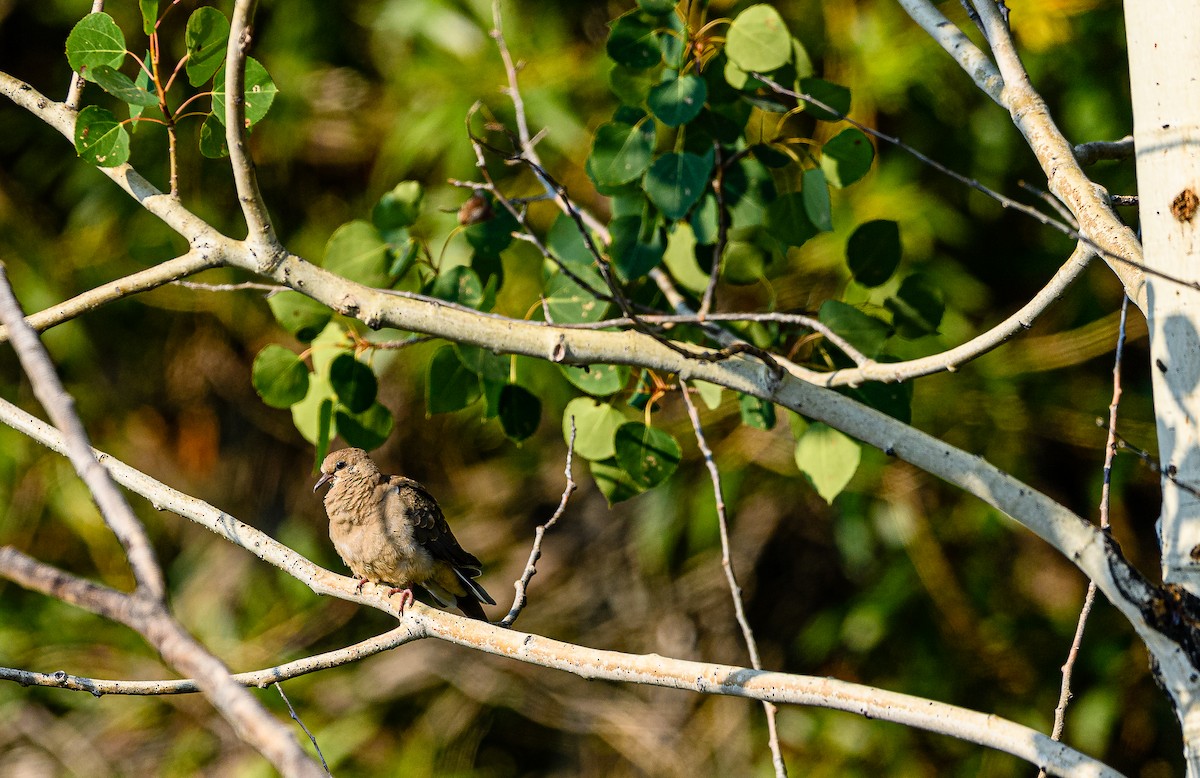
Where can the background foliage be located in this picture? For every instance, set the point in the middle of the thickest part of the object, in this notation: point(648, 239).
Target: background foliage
point(901, 582)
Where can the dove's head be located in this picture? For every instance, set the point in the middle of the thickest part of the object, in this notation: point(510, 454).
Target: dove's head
point(346, 463)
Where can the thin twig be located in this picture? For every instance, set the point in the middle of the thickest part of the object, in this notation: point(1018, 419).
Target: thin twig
point(718, 187)
point(245, 285)
point(535, 553)
point(735, 591)
point(1089, 599)
point(295, 718)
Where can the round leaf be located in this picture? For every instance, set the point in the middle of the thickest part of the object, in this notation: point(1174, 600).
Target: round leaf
point(830, 95)
point(279, 376)
point(100, 138)
point(675, 182)
point(621, 152)
point(613, 482)
point(917, 307)
point(846, 157)
point(816, 200)
point(743, 263)
point(631, 87)
point(357, 252)
point(678, 100)
point(637, 246)
point(149, 9)
point(212, 139)
point(569, 303)
point(567, 244)
point(756, 412)
point(493, 235)
point(595, 427)
point(459, 284)
point(864, 332)
point(205, 39)
point(680, 259)
point(122, 87)
point(259, 93)
point(758, 40)
point(354, 383)
point(597, 380)
point(95, 40)
point(399, 207)
point(368, 429)
point(520, 412)
point(873, 252)
point(657, 7)
point(302, 316)
point(649, 455)
point(787, 220)
point(828, 458)
point(449, 385)
point(633, 42)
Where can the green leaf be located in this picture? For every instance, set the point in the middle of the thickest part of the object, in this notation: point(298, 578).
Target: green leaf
point(356, 251)
point(817, 207)
point(569, 303)
point(621, 152)
point(325, 428)
point(847, 157)
point(459, 284)
point(595, 427)
point(520, 412)
point(315, 410)
point(657, 7)
point(449, 385)
point(828, 458)
point(680, 259)
point(758, 40)
point(613, 482)
point(631, 87)
point(485, 363)
point(864, 332)
point(279, 376)
point(873, 252)
point(801, 62)
point(744, 263)
point(142, 82)
point(354, 382)
point(756, 412)
point(597, 380)
point(206, 39)
point(491, 236)
point(833, 95)
point(917, 307)
point(787, 219)
point(122, 87)
point(894, 399)
point(565, 242)
point(637, 246)
point(212, 139)
point(748, 190)
point(95, 40)
point(677, 101)
point(149, 9)
point(648, 454)
point(300, 315)
point(369, 429)
point(259, 93)
point(633, 42)
point(709, 393)
point(100, 138)
point(398, 208)
point(675, 182)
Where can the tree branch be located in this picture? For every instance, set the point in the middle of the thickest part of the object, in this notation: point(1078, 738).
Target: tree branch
point(969, 57)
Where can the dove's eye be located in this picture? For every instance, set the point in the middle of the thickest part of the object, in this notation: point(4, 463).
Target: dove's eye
point(339, 465)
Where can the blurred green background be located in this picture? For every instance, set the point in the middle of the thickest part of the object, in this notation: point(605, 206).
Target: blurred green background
point(903, 582)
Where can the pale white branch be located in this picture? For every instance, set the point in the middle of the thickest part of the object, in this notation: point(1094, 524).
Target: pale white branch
point(976, 64)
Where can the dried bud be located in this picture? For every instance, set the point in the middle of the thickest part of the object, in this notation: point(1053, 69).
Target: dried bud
point(475, 210)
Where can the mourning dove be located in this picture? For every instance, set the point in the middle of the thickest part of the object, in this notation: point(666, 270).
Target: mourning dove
point(389, 530)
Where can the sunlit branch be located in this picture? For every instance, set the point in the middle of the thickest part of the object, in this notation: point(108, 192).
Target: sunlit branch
point(134, 283)
point(1097, 150)
point(976, 64)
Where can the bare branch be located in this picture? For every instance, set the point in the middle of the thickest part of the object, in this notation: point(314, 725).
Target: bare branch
point(135, 283)
point(535, 553)
point(295, 718)
point(976, 64)
point(1097, 150)
point(735, 590)
point(61, 408)
point(260, 234)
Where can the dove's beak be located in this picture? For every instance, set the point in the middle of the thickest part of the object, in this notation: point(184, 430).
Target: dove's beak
point(324, 479)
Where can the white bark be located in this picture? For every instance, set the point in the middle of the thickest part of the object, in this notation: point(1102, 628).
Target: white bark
point(1164, 58)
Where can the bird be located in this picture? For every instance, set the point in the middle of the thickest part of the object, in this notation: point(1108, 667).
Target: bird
point(388, 529)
